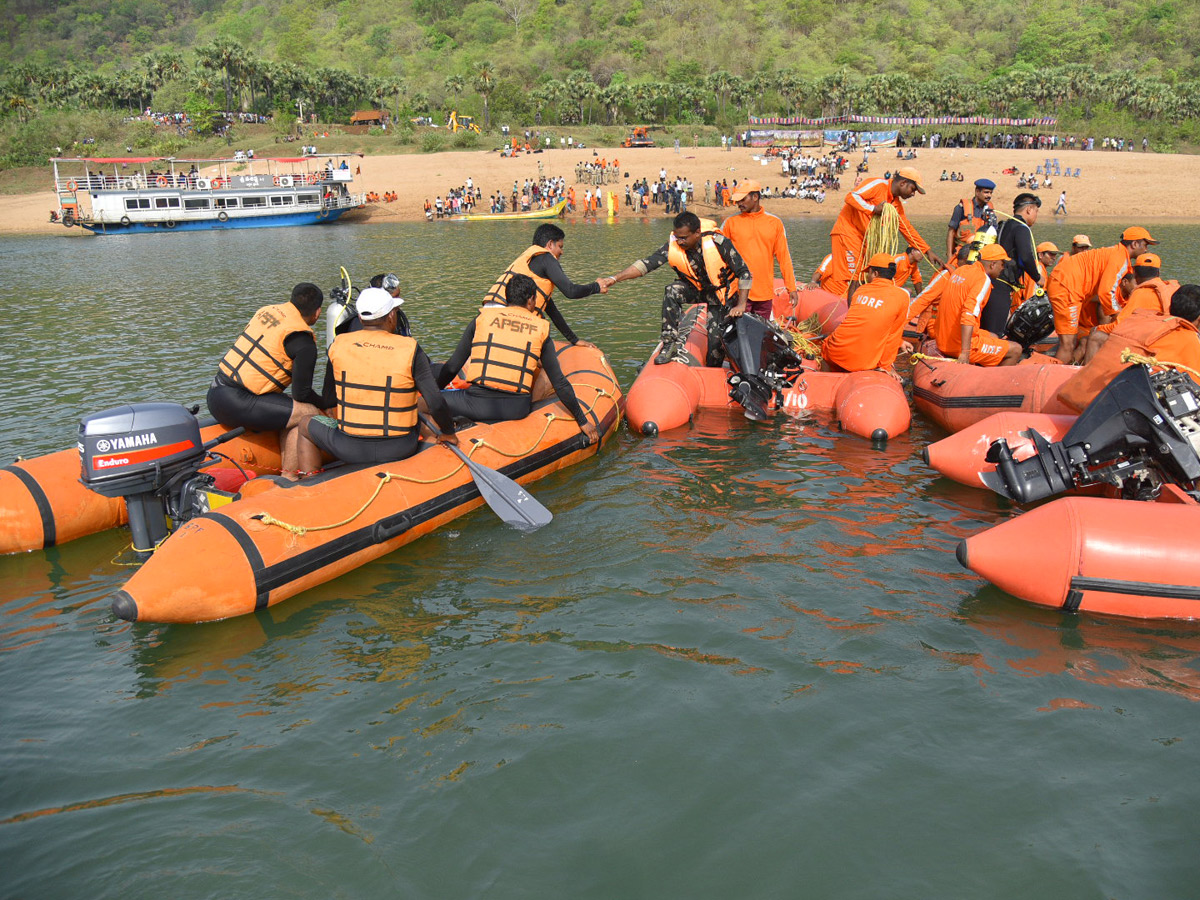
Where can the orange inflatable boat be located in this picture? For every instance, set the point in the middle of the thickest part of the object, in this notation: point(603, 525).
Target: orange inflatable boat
point(955, 396)
point(1093, 554)
point(277, 538)
point(870, 404)
point(963, 455)
point(43, 503)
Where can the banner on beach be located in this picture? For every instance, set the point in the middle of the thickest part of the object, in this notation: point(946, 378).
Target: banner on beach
point(863, 138)
point(991, 121)
point(772, 136)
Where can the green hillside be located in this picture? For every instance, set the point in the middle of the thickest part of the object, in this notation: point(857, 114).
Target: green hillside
point(1105, 67)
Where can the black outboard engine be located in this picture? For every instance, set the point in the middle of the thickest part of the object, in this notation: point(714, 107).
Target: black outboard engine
point(151, 455)
point(761, 353)
point(1140, 432)
point(1033, 321)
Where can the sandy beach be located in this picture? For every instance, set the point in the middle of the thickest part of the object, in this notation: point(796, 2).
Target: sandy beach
point(1130, 187)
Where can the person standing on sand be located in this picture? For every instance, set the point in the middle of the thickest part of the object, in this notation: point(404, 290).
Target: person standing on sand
point(1062, 204)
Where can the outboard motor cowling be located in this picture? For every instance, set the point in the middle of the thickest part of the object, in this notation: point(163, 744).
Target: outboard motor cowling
point(144, 453)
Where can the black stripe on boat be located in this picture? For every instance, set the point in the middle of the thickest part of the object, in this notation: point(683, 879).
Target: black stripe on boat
point(267, 579)
point(49, 531)
point(1136, 588)
point(253, 557)
point(1014, 401)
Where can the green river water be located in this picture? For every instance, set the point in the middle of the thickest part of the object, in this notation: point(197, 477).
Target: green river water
point(741, 663)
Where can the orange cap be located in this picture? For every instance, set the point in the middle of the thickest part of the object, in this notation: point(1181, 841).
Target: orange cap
point(1137, 233)
point(1148, 259)
point(1082, 240)
point(749, 186)
point(1047, 247)
point(880, 261)
point(993, 252)
point(912, 175)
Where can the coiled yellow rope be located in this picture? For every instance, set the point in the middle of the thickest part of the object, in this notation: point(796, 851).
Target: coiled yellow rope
point(883, 236)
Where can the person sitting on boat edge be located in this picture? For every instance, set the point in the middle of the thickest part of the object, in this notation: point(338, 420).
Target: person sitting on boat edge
point(376, 375)
point(276, 349)
point(500, 354)
point(540, 261)
point(956, 328)
point(871, 334)
point(708, 270)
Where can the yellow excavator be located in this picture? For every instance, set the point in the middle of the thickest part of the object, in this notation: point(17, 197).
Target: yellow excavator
point(457, 123)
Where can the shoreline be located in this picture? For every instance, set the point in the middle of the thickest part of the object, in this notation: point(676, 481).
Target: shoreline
point(1126, 188)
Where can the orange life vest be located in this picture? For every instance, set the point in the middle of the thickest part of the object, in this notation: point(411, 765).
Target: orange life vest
point(376, 394)
point(257, 360)
point(520, 266)
point(970, 223)
point(717, 276)
point(1142, 328)
point(1163, 289)
point(506, 351)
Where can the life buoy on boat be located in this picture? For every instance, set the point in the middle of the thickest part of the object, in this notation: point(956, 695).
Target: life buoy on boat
point(125, 221)
point(203, 184)
point(218, 183)
point(170, 223)
point(222, 216)
point(162, 181)
point(276, 180)
point(72, 186)
point(310, 178)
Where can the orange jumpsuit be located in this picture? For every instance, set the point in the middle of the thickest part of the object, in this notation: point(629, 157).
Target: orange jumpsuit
point(1079, 278)
point(906, 270)
point(869, 336)
point(962, 302)
point(924, 306)
point(846, 237)
point(761, 240)
point(819, 271)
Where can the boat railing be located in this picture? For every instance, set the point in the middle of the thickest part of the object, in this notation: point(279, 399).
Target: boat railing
point(204, 183)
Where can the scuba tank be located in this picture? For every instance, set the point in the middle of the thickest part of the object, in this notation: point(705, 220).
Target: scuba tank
point(1031, 322)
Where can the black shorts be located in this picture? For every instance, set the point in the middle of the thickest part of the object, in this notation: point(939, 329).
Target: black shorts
point(324, 433)
point(480, 404)
point(234, 406)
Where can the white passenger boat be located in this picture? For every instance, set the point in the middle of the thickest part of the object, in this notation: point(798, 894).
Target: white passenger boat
point(126, 195)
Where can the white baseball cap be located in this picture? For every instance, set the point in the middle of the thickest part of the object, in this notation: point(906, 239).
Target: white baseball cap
point(375, 303)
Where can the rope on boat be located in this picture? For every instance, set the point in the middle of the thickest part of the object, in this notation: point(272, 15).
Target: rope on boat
point(1132, 356)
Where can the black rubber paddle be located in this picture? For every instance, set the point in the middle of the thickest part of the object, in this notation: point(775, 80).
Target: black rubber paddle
point(512, 503)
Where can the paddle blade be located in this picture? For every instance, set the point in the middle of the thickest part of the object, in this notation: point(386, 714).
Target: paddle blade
point(511, 502)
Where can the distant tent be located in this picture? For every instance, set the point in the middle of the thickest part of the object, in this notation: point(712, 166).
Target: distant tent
point(369, 117)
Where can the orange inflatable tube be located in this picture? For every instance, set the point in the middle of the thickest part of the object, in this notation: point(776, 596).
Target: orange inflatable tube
point(43, 504)
point(870, 404)
point(961, 456)
point(273, 544)
point(956, 396)
point(1092, 554)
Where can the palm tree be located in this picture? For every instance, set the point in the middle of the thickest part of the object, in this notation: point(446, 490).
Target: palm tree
point(484, 83)
point(456, 84)
point(227, 56)
point(719, 83)
point(578, 88)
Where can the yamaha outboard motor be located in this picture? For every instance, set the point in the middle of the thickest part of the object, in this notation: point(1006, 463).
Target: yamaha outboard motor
point(151, 455)
point(1140, 432)
point(761, 352)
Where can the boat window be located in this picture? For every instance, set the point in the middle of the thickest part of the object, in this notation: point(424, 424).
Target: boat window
point(254, 201)
point(308, 198)
point(227, 202)
point(166, 203)
point(197, 203)
point(131, 203)
point(278, 200)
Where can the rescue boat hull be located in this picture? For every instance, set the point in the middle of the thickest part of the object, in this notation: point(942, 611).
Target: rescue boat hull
point(278, 540)
point(962, 455)
point(1093, 554)
point(956, 396)
point(42, 502)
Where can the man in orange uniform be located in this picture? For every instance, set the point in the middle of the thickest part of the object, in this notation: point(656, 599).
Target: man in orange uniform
point(924, 307)
point(860, 206)
point(908, 267)
point(1148, 291)
point(820, 271)
point(1091, 274)
point(956, 328)
point(1172, 339)
point(762, 241)
point(870, 335)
